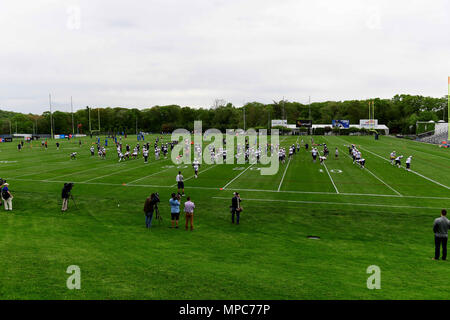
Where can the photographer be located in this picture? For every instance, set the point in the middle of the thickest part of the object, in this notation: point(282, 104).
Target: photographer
point(7, 197)
point(150, 206)
point(175, 209)
point(65, 195)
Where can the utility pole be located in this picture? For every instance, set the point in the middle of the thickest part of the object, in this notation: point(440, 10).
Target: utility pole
point(71, 110)
point(51, 117)
point(244, 117)
point(98, 121)
point(89, 116)
point(309, 105)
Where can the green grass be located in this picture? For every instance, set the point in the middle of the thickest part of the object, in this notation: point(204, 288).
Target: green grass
point(268, 256)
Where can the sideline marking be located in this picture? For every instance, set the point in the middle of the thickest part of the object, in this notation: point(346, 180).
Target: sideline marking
point(240, 189)
point(336, 203)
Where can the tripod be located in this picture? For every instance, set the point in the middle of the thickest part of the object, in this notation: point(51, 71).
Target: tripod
point(75, 204)
point(158, 216)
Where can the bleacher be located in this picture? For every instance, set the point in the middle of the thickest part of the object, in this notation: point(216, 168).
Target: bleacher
point(440, 134)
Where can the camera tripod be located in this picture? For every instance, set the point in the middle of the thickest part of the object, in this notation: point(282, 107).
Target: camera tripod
point(73, 199)
point(158, 216)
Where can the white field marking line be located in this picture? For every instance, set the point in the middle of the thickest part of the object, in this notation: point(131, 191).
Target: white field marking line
point(26, 161)
point(55, 168)
point(337, 191)
point(285, 170)
point(129, 169)
point(336, 203)
point(240, 189)
point(420, 175)
point(150, 175)
point(421, 142)
point(430, 154)
point(212, 166)
point(377, 177)
point(384, 182)
point(69, 174)
point(282, 178)
point(238, 176)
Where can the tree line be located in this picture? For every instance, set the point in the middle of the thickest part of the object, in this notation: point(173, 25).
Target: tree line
point(400, 114)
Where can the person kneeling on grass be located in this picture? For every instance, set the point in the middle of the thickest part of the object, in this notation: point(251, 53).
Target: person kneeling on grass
point(189, 210)
point(175, 209)
point(149, 208)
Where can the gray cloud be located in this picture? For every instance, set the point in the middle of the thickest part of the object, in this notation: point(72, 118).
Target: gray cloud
point(139, 54)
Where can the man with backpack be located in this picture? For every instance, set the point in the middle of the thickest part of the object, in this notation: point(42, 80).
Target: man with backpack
point(7, 197)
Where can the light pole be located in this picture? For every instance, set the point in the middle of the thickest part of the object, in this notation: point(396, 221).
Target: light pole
point(51, 117)
point(71, 110)
point(244, 116)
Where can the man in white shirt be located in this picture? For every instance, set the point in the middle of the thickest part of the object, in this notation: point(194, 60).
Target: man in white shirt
point(145, 154)
point(408, 163)
point(180, 183)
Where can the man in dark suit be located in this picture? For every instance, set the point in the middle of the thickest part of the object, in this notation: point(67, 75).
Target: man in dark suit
point(236, 207)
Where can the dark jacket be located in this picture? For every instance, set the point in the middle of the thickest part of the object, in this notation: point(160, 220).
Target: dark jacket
point(149, 205)
point(440, 227)
point(65, 193)
point(235, 202)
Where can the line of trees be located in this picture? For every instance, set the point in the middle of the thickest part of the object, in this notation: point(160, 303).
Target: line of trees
point(399, 113)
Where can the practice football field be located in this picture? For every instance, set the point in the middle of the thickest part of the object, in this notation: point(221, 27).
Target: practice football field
point(381, 215)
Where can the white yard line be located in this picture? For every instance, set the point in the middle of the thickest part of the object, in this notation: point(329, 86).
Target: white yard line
point(282, 178)
point(332, 181)
point(78, 172)
point(383, 182)
point(240, 189)
point(150, 175)
point(238, 176)
point(420, 175)
point(212, 166)
point(129, 169)
point(398, 193)
point(335, 203)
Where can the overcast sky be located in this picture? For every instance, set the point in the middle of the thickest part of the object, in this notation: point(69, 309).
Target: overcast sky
point(143, 53)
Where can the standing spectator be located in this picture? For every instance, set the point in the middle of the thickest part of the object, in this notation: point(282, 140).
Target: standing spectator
point(149, 208)
point(7, 197)
point(189, 210)
point(175, 209)
point(180, 183)
point(236, 207)
point(440, 228)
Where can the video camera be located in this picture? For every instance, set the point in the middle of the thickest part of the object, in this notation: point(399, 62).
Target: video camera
point(68, 187)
